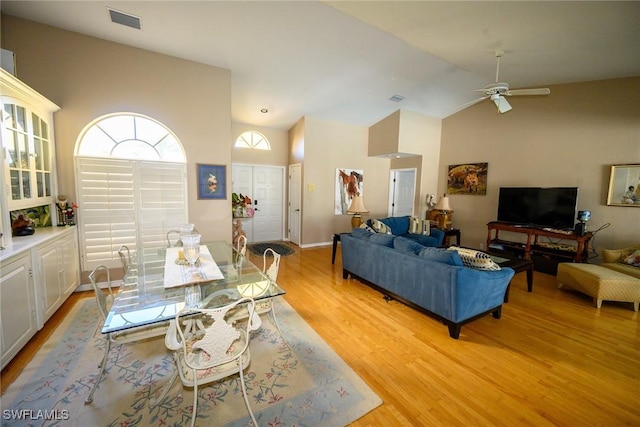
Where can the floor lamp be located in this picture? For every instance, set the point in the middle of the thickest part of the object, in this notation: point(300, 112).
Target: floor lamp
point(357, 208)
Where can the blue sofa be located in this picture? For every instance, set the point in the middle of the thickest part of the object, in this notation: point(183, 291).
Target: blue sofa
point(430, 279)
point(399, 226)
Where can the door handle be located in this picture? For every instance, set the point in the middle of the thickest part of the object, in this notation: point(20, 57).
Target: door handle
point(297, 210)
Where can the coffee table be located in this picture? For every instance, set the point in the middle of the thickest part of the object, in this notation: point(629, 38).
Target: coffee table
point(517, 264)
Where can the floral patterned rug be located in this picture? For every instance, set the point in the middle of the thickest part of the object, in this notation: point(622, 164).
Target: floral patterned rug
point(304, 383)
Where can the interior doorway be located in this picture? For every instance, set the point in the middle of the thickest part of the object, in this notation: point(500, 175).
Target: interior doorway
point(295, 204)
point(402, 191)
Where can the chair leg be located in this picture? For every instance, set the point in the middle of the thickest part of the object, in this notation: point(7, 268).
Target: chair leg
point(195, 399)
point(275, 322)
point(246, 397)
point(155, 402)
point(102, 367)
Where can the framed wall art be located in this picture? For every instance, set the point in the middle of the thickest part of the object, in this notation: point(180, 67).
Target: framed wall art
point(470, 178)
point(212, 182)
point(624, 186)
point(349, 183)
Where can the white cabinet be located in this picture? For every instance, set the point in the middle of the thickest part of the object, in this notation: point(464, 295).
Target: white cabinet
point(28, 175)
point(17, 305)
point(57, 273)
point(37, 274)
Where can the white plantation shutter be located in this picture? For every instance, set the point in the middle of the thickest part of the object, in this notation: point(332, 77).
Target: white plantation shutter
point(127, 202)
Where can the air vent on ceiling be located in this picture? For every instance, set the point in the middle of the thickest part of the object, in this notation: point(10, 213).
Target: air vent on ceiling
point(124, 19)
point(396, 98)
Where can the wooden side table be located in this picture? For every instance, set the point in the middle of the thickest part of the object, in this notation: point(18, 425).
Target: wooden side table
point(453, 232)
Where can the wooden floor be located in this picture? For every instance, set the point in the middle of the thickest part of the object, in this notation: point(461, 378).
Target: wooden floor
point(552, 359)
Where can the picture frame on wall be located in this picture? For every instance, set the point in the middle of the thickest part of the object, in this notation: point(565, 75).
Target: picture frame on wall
point(212, 182)
point(468, 179)
point(624, 186)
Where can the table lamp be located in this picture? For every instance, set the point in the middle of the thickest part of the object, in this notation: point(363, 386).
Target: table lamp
point(357, 208)
point(444, 207)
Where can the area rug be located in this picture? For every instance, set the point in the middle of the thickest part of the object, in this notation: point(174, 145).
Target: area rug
point(281, 248)
point(304, 383)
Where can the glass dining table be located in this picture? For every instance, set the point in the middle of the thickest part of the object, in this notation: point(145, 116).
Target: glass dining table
point(145, 297)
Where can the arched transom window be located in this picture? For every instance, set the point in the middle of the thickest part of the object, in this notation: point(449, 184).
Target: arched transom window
point(130, 136)
point(253, 139)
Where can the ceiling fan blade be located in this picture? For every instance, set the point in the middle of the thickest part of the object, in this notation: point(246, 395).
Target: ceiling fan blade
point(538, 91)
point(501, 103)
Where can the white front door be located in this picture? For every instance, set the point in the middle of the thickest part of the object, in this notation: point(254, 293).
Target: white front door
point(295, 185)
point(264, 185)
point(402, 189)
point(268, 203)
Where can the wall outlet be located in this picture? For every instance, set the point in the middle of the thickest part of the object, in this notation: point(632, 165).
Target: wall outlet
point(482, 246)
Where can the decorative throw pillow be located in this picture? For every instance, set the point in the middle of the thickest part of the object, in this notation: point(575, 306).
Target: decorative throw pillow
point(380, 227)
point(407, 245)
point(415, 225)
point(475, 259)
point(366, 226)
point(633, 259)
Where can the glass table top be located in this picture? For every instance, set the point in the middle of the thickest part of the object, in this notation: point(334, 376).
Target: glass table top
point(143, 299)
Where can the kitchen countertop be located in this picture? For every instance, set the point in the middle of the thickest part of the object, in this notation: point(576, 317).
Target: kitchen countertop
point(24, 243)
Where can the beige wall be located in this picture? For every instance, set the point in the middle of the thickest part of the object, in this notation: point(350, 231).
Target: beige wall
point(569, 138)
point(89, 77)
point(327, 146)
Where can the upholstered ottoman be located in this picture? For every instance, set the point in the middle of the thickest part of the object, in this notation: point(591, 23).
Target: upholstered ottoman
point(600, 283)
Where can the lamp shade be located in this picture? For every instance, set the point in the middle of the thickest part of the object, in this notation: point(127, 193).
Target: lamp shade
point(443, 204)
point(357, 206)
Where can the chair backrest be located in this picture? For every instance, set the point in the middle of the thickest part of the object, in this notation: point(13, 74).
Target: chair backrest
point(242, 245)
point(125, 257)
point(173, 238)
point(103, 299)
point(206, 336)
point(272, 271)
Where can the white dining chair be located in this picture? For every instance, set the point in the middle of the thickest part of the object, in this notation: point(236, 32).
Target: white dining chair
point(208, 347)
point(173, 238)
point(104, 300)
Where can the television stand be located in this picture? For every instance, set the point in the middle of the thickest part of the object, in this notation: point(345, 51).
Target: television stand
point(562, 252)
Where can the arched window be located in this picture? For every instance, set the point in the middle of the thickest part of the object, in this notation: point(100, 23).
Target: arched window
point(253, 139)
point(130, 136)
point(131, 186)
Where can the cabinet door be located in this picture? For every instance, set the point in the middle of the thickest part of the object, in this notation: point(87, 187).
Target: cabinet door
point(70, 261)
point(17, 306)
point(49, 274)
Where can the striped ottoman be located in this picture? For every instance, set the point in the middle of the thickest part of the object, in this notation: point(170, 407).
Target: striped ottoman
point(600, 283)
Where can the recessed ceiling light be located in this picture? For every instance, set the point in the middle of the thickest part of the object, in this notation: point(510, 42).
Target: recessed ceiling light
point(264, 110)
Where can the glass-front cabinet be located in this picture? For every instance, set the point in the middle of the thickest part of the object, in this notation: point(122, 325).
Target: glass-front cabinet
point(28, 175)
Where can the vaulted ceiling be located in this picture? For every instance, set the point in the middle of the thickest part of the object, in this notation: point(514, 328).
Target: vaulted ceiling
point(344, 60)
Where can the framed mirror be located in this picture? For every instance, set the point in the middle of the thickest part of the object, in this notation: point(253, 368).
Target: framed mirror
point(624, 186)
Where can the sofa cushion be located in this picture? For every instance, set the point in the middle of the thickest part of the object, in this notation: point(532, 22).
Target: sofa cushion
point(424, 240)
point(407, 245)
point(382, 239)
point(475, 259)
point(361, 233)
point(380, 227)
point(399, 225)
point(441, 255)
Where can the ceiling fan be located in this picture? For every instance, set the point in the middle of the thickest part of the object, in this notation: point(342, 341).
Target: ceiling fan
point(498, 91)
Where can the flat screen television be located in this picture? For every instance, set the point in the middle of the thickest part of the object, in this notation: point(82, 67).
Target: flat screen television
point(553, 207)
